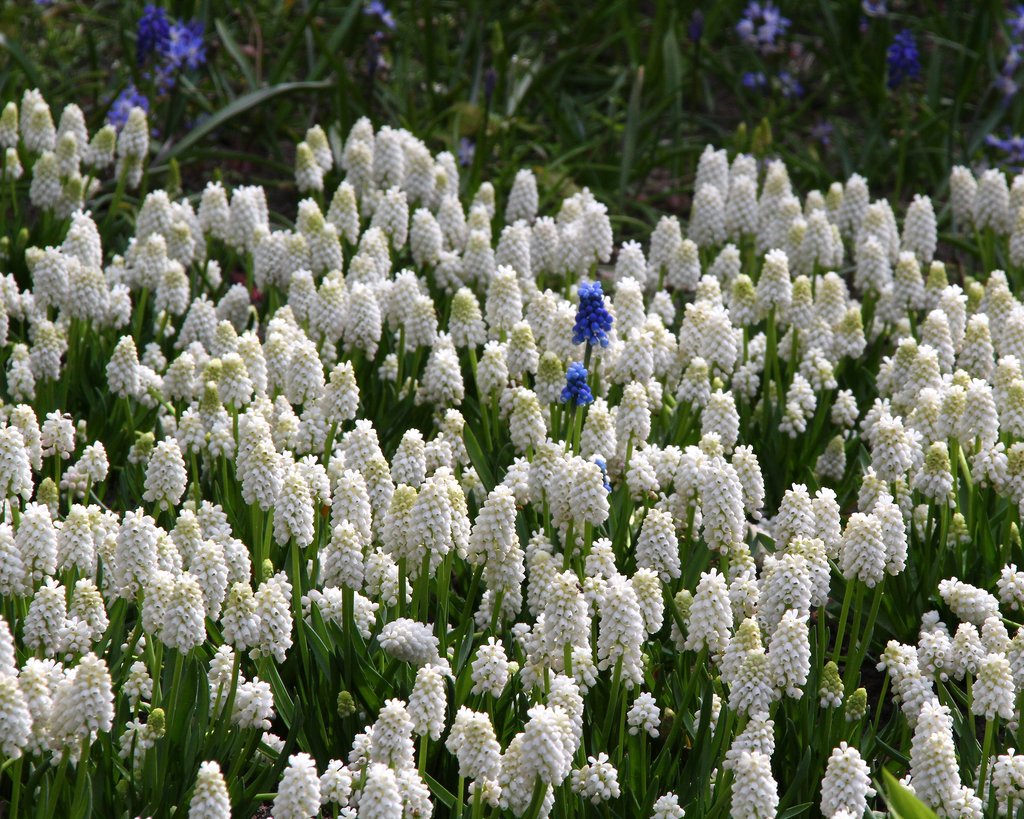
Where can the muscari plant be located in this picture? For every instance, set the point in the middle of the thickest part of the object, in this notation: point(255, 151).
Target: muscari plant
point(404, 507)
point(622, 101)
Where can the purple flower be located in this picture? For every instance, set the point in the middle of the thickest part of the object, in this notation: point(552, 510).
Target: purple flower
point(1012, 147)
point(597, 459)
point(790, 86)
point(874, 8)
point(762, 27)
point(696, 30)
point(576, 390)
point(1012, 61)
point(593, 321)
point(903, 58)
point(754, 81)
point(822, 132)
point(120, 109)
point(376, 8)
point(185, 47)
point(1007, 86)
point(467, 150)
point(1016, 21)
point(152, 32)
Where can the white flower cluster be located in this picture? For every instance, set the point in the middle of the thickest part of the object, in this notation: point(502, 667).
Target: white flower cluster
point(382, 468)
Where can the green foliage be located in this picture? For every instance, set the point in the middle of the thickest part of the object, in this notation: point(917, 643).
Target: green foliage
point(621, 98)
point(902, 803)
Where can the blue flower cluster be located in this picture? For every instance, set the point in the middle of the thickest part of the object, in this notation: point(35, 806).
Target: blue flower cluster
point(1012, 148)
point(785, 83)
point(762, 27)
point(177, 46)
point(903, 59)
point(576, 390)
point(822, 132)
point(754, 80)
point(790, 86)
point(604, 473)
point(1007, 83)
point(153, 30)
point(593, 321)
point(129, 98)
point(376, 8)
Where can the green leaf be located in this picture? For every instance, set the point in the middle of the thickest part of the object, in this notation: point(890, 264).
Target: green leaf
point(902, 803)
point(476, 455)
point(231, 44)
point(632, 131)
point(315, 640)
point(282, 699)
point(228, 112)
point(22, 60)
point(83, 802)
point(439, 790)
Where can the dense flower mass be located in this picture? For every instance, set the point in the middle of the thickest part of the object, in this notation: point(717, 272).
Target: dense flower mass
point(434, 519)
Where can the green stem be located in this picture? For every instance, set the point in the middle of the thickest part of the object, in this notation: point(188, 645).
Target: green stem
point(297, 599)
point(15, 775)
point(81, 773)
point(864, 638)
point(424, 745)
point(460, 797)
point(57, 785)
point(540, 790)
point(478, 801)
point(847, 599)
point(986, 752)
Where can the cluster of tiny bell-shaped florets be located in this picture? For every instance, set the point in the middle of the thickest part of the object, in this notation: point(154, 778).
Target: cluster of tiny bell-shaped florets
point(510, 328)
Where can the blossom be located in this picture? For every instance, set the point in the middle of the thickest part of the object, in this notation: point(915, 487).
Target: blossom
point(789, 86)
point(128, 99)
point(178, 45)
point(1015, 21)
point(376, 8)
point(152, 32)
point(754, 80)
point(576, 390)
point(593, 321)
point(903, 59)
point(762, 27)
point(185, 46)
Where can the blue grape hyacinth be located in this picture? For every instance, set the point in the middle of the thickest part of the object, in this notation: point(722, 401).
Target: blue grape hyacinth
point(604, 472)
point(763, 27)
point(129, 98)
point(903, 58)
point(178, 46)
point(152, 33)
point(576, 390)
point(185, 46)
point(593, 321)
